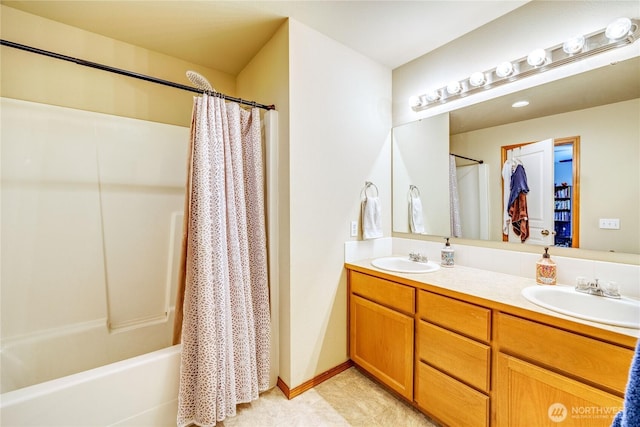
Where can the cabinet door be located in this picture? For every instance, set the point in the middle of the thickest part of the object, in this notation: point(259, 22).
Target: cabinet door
point(381, 342)
point(528, 395)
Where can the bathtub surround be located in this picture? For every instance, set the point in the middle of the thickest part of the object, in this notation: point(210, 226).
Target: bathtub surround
point(91, 222)
point(226, 319)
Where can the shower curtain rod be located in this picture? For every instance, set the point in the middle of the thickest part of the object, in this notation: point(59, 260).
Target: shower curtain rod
point(467, 158)
point(130, 73)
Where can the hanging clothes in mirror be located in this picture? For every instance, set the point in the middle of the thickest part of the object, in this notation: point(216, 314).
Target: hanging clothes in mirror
point(517, 205)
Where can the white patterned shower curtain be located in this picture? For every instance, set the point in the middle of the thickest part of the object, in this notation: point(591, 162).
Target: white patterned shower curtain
point(454, 199)
point(226, 315)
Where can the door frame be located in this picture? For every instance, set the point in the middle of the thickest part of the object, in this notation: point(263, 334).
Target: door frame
point(575, 199)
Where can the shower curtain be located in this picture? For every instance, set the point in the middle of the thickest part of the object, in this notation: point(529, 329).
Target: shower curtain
point(454, 199)
point(222, 309)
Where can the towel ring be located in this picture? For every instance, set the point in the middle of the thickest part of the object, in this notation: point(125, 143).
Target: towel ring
point(368, 185)
point(413, 190)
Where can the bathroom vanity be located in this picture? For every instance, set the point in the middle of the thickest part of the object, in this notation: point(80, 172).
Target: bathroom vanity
point(467, 349)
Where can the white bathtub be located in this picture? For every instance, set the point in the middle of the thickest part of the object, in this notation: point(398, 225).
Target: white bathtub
point(141, 391)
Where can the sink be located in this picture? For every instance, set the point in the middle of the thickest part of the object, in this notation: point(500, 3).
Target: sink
point(404, 265)
point(623, 312)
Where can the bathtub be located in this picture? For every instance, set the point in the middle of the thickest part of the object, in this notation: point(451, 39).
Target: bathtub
point(140, 391)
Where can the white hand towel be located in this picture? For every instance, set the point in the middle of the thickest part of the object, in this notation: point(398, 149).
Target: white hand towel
point(415, 214)
point(371, 218)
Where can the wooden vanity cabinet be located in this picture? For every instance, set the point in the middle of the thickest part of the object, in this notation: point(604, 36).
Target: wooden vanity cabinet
point(381, 331)
point(471, 365)
point(547, 376)
point(453, 360)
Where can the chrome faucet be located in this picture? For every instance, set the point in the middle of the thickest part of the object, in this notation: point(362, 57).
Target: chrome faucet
point(594, 288)
point(417, 257)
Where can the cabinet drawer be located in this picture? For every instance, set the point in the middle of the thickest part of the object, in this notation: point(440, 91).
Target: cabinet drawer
point(586, 358)
point(450, 401)
point(468, 319)
point(384, 292)
point(458, 356)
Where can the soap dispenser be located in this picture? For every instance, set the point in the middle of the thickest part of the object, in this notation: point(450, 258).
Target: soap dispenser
point(447, 255)
point(546, 269)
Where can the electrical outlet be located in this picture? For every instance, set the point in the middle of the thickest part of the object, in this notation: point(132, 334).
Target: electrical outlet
point(354, 228)
point(610, 223)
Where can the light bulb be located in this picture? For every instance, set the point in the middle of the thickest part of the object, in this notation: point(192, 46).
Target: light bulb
point(414, 102)
point(618, 29)
point(433, 95)
point(504, 69)
point(573, 45)
point(477, 79)
point(537, 58)
point(454, 88)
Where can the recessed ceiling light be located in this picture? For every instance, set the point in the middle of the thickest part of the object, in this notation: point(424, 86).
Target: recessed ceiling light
point(520, 104)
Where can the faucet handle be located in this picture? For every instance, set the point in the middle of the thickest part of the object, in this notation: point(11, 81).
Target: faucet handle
point(611, 290)
point(417, 257)
point(582, 284)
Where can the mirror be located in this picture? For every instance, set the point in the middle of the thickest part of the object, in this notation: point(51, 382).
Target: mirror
point(420, 176)
point(600, 106)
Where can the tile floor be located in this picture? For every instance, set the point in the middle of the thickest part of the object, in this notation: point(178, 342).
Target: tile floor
point(347, 399)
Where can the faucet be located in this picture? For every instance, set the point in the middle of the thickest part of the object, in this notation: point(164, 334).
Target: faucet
point(417, 257)
point(594, 288)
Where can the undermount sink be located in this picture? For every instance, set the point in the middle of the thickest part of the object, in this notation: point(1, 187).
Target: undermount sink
point(404, 265)
point(623, 312)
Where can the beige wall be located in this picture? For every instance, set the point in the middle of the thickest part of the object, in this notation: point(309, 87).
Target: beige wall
point(609, 176)
point(266, 79)
point(37, 78)
point(340, 125)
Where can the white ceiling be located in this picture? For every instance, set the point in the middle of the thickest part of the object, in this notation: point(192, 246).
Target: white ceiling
point(225, 35)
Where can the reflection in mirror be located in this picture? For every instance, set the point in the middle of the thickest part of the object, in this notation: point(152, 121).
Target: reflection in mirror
point(421, 176)
point(553, 197)
point(601, 107)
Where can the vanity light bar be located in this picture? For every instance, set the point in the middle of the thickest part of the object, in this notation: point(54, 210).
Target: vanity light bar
point(620, 33)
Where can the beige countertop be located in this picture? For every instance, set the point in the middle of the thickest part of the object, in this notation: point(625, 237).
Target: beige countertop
point(498, 291)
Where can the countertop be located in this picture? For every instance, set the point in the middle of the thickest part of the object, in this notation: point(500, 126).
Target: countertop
point(498, 291)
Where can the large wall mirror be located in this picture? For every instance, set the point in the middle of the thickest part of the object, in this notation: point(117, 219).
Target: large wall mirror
point(599, 108)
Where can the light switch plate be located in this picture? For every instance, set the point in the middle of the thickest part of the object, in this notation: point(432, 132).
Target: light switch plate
point(610, 223)
point(354, 228)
